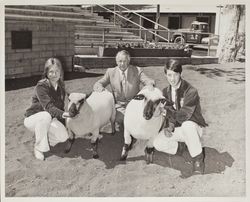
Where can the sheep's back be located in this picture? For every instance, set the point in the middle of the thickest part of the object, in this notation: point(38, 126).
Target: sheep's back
point(102, 105)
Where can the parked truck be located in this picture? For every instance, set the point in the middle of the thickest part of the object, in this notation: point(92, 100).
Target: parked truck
point(192, 35)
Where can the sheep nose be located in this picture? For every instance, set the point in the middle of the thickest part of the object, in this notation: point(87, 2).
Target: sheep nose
point(147, 115)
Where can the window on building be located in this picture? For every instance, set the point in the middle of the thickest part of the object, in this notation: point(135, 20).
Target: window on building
point(21, 39)
point(202, 19)
point(174, 22)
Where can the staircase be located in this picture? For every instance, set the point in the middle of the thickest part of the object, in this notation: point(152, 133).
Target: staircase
point(91, 30)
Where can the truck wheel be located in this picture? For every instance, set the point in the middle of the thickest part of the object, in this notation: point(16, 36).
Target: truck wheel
point(179, 40)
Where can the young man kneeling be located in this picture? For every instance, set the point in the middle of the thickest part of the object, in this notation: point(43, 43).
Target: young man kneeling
point(185, 119)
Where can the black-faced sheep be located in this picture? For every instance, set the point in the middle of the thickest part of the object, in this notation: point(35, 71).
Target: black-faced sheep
point(143, 119)
point(89, 116)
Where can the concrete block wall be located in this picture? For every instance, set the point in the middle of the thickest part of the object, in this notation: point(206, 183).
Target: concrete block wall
point(49, 39)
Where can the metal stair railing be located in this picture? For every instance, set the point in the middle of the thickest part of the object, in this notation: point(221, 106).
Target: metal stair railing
point(106, 29)
point(141, 16)
point(141, 27)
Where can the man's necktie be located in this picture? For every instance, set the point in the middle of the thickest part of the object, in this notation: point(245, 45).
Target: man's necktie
point(123, 83)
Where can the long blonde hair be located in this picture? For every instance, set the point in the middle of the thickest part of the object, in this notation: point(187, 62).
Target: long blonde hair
point(54, 62)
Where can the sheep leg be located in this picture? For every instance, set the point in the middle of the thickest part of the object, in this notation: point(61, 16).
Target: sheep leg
point(127, 145)
point(94, 144)
point(149, 151)
point(124, 154)
point(69, 141)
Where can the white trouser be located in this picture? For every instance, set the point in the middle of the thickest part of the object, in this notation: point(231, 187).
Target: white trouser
point(189, 132)
point(47, 131)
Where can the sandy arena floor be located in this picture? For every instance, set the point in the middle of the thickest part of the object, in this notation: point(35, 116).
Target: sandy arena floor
point(222, 92)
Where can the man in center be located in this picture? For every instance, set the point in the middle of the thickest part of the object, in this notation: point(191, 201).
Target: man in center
point(125, 81)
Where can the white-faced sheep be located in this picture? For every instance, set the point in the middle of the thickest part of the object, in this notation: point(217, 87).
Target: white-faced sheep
point(143, 119)
point(89, 115)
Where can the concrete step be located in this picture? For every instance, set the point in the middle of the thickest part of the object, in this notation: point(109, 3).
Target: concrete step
point(49, 8)
point(44, 13)
point(39, 18)
point(100, 31)
point(112, 42)
point(107, 36)
point(106, 24)
point(109, 28)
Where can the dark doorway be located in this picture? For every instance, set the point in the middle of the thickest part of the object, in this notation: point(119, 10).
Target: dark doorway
point(174, 22)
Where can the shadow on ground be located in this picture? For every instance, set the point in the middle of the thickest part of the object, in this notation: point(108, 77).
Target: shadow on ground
point(234, 75)
point(18, 83)
point(110, 147)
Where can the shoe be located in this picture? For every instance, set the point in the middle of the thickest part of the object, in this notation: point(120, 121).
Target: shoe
point(198, 164)
point(39, 155)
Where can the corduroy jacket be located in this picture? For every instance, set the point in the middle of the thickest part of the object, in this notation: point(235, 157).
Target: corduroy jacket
point(46, 98)
point(187, 105)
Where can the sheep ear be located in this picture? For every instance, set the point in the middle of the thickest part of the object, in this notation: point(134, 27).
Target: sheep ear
point(139, 97)
point(88, 94)
point(81, 101)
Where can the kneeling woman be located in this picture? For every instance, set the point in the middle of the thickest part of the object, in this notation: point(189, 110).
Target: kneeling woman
point(46, 115)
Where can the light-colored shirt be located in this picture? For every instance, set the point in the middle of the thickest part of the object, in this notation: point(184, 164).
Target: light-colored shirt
point(121, 73)
point(173, 93)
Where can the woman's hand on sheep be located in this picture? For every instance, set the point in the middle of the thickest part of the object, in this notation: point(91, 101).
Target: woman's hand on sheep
point(65, 115)
point(98, 88)
point(167, 132)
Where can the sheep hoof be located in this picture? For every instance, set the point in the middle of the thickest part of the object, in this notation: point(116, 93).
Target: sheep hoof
point(149, 158)
point(123, 157)
point(95, 156)
point(149, 155)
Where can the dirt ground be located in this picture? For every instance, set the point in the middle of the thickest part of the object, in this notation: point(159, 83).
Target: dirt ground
point(76, 174)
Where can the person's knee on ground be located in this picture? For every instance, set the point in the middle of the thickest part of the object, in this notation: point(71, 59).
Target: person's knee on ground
point(41, 136)
point(165, 144)
point(57, 132)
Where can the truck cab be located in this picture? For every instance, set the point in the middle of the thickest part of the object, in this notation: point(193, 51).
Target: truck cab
point(193, 35)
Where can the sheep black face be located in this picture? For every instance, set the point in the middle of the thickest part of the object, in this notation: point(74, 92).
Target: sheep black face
point(152, 108)
point(74, 108)
point(149, 110)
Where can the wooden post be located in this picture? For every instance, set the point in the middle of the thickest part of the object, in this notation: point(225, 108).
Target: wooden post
point(168, 36)
point(157, 21)
point(140, 22)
